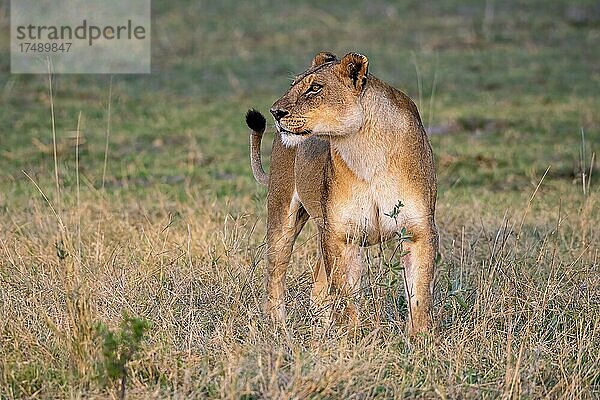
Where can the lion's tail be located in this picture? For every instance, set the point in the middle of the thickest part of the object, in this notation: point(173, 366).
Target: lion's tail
point(256, 121)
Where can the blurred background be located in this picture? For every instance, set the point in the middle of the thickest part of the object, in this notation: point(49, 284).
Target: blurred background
point(504, 88)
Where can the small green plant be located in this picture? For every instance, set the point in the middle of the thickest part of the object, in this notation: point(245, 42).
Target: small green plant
point(395, 211)
point(119, 347)
point(61, 250)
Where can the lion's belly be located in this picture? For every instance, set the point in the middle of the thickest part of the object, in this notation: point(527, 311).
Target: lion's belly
point(372, 214)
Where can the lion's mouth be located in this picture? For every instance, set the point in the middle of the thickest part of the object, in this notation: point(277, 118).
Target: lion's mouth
point(302, 133)
point(284, 131)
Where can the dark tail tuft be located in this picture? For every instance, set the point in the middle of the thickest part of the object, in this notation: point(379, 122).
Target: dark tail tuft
point(255, 120)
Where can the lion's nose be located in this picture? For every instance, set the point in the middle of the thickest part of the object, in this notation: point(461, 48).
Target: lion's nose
point(278, 114)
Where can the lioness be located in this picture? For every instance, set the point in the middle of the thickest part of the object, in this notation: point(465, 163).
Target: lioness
point(349, 148)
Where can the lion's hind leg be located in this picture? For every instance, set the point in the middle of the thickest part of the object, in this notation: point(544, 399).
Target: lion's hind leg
point(284, 227)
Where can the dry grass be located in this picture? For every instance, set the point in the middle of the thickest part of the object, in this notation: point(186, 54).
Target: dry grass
point(518, 308)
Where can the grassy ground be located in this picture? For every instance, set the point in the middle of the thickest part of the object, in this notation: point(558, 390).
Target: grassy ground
point(172, 230)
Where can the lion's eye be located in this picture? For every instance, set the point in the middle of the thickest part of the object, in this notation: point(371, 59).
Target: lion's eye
point(314, 88)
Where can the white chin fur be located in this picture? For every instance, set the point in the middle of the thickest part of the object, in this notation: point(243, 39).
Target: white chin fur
point(292, 140)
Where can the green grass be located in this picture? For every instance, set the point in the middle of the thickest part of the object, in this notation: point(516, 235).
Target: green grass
point(176, 235)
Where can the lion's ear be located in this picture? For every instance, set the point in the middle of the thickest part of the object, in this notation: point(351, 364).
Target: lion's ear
point(354, 67)
point(322, 58)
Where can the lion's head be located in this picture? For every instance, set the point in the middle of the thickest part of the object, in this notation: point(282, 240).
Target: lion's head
point(324, 100)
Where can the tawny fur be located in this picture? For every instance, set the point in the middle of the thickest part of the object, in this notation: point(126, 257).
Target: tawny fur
point(349, 147)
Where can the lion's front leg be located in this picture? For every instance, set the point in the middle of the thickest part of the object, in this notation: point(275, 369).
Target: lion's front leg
point(419, 274)
point(344, 267)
